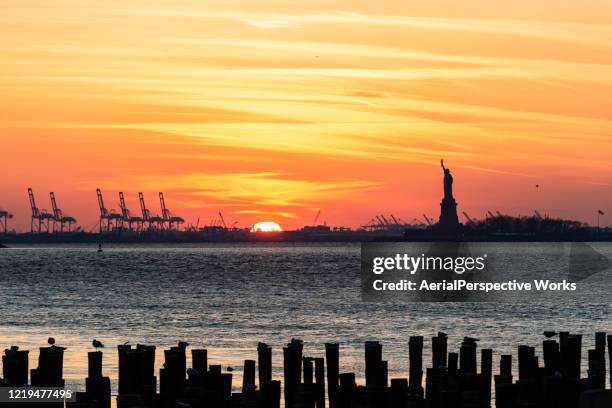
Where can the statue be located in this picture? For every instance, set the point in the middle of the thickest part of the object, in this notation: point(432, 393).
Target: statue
point(448, 207)
point(448, 182)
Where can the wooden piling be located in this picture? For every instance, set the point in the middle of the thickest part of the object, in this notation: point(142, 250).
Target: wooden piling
point(94, 364)
point(320, 382)
point(264, 363)
point(199, 360)
point(438, 351)
point(373, 363)
point(248, 376)
point(15, 366)
point(415, 377)
point(333, 369)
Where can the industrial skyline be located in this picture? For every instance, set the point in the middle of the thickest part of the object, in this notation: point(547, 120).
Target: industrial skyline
point(270, 111)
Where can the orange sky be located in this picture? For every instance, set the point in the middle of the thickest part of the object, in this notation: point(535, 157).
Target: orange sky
point(271, 110)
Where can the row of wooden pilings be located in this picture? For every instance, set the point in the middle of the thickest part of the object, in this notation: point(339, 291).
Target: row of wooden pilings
point(454, 379)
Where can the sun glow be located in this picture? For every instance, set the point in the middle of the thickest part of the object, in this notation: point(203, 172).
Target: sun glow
point(266, 226)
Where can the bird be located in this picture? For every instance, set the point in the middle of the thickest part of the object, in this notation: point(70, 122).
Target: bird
point(549, 334)
point(97, 344)
point(470, 339)
point(442, 334)
point(183, 344)
point(51, 341)
point(230, 369)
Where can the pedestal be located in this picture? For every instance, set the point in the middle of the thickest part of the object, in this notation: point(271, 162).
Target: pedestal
point(449, 220)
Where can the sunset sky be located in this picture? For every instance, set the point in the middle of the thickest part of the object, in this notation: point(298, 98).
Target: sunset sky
point(271, 110)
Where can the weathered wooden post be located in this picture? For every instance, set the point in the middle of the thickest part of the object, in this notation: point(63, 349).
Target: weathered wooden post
point(15, 366)
point(438, 350)
point(551, 357)
point(373, 358)
point(97, 387)
point(199, 360)
point(486, 370)
point(453, 363)
point(264, 363)
point(248, 376)
point(94, 364)
point(467, 356)
point(308, 370)
point(292, 356)
point(270, 394)
point(320, 381)
point(333, 371)
point(415, 378)
point(49, 372)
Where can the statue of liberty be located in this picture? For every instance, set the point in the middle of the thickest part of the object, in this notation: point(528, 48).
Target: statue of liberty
point(448, 182)
point(448, 207)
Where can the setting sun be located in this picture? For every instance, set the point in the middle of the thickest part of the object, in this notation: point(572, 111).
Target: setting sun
point(266, 226)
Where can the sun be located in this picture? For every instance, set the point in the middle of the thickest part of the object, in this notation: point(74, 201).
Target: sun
point(266, 226)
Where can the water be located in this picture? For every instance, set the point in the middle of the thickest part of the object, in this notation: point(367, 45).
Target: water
point(228, 297)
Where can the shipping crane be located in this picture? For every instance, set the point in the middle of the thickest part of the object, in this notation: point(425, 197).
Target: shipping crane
point(395, 220)
point(4, 217)
point(222, 220)
point(470, 220)
point(107, 217)
point(173, 221)
point(40, 218)
point(155, 222)
point(427, 220)
point(316, 218)
point(59, 217)
point(126, 215)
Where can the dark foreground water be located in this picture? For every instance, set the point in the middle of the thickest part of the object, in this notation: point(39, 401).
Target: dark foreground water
point(229, 297)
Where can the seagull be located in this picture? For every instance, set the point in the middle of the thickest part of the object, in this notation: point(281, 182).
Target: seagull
point(97, 344)
point(549, 334)
point(183, 344)
point(51, 341)
point(470, 339)
point(230, 369)
point(442, 334)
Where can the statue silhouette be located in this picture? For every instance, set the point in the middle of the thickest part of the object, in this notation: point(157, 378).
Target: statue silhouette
point(448, 182)
point(448, 207)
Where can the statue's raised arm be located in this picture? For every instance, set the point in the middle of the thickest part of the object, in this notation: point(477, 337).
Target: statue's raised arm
point(442, 164)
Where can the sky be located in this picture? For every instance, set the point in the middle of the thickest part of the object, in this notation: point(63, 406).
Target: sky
point(273, 110)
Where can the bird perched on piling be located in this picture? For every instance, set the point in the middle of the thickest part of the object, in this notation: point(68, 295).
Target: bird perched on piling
point(442, 334)
point(51, 341)
point(183, 344)
point(230, 369)
point(470, 339)
point(97, 344)
point(549, 334)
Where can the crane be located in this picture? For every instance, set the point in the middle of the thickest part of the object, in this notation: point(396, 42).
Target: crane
point(467, 217)
point(59, 217)
point(126, 215)
point(222, 220)
point(395, 220)
point(107, 217)
point(490, 214)
point(427, 220)
point(385, 220)
point(154, 221)
point(39, 217)
point(4, 217)
point(316, 218)
point(168, 217)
